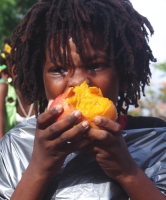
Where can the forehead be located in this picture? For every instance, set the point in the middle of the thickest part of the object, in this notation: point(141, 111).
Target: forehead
point(87, 49)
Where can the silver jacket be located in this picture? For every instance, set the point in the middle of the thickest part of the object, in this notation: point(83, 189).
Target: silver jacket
point(80, 176)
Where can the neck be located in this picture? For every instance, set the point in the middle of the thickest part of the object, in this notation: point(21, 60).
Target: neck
point(24, 109)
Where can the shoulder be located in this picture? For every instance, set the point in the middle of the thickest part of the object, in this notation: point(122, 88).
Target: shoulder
point(3, 90)
point(3, 85)
point(144, 122)
point(15, 151)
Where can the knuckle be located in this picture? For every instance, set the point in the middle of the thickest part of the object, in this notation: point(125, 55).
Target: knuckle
point(104, 123)
point(53, 129)
point(48, 147)
point(41, 139)
point(70, 119)
point(104, 135)
point(44, 142)
point(78, 128)
point(118, 127)
point(63, 138)
point(40, 119)
point(52, 111)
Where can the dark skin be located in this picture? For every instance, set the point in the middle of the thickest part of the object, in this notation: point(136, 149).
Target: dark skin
point(3, 89)
point(107, 146)
point(3, 92)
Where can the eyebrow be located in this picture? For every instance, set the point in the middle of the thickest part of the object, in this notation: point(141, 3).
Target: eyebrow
point(87, 58)
point(96, 56)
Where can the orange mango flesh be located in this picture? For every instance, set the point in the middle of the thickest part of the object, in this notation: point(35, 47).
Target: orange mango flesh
point(89, 100)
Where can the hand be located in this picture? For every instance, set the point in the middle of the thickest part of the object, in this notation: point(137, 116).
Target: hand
point(54, 141)
point(110, 150)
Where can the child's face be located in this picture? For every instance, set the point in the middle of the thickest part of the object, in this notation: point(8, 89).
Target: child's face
point(95, 70)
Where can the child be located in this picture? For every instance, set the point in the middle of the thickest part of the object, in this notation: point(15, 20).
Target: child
point(8, 97)
point(13, 108)
point(59, 44)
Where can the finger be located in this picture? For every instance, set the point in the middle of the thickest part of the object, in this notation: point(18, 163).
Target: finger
point(75, 133)
point(107, 124)
point(47, 118)
point(58, 128)
point(100, 135)
point(49, 103)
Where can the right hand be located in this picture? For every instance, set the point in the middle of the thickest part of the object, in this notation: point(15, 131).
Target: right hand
point(55, 140)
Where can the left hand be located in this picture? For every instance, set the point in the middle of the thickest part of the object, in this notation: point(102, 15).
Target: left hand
point(109, 149)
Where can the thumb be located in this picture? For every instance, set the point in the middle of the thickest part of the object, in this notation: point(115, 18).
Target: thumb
point(49, 103)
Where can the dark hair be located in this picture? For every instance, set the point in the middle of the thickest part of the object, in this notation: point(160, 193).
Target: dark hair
point(2, 60)
point(125, 34)
point(7, 40)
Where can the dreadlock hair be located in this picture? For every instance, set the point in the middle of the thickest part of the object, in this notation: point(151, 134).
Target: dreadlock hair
point(124, 31)
point(7, 40)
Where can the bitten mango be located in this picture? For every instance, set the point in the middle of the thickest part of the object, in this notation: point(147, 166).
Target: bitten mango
point(89, 100)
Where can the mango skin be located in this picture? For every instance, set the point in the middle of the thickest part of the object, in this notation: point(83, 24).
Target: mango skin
point(61, 100)
point(89, 100)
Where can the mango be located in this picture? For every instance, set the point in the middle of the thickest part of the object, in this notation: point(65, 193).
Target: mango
point(89, 100)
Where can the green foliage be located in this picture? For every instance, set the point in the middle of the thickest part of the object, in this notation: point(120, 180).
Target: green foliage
point(11, 13)
point(161, 67)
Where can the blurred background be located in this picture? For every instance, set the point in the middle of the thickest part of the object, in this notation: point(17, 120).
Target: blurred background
point(11, 12)
point(154, 103)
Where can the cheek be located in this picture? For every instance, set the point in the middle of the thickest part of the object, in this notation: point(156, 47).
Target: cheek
point(110, 88)
point(53, 87)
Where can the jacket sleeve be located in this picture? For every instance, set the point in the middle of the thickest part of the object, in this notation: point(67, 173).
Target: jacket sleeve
point(15, 152)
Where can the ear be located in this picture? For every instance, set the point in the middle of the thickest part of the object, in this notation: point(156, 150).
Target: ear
point(12, 72)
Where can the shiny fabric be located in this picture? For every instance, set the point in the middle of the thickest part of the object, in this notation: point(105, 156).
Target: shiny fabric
point(80, 176)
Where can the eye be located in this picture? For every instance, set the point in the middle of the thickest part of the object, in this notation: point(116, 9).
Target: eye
point(58, 70)
point(97, 66)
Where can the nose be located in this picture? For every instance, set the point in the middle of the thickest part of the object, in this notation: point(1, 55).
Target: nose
point(77, 77)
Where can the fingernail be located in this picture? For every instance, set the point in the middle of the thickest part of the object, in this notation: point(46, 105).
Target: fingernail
point(59, 108)
point(97, 120)
point(85, 124)
point(77, 113)
point(50, 102)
